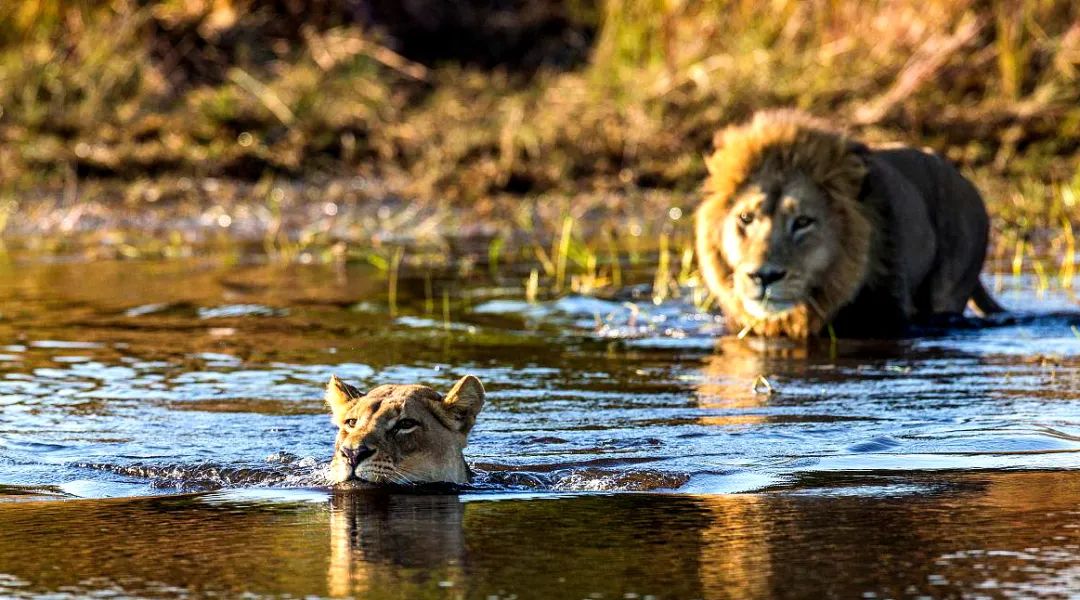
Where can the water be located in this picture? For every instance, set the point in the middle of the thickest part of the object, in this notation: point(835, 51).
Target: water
point(162, 434)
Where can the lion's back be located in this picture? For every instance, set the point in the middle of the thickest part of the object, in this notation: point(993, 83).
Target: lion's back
point(940, 222)
point(946, 192)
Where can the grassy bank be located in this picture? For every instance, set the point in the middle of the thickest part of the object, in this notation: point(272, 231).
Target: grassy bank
point(115, 113)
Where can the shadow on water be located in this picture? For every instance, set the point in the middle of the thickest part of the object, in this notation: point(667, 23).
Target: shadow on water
point(1000, 534)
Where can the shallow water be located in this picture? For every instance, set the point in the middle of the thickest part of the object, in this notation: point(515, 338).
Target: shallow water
point(162, 434)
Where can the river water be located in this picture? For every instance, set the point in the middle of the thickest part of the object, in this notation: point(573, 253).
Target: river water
point(162, 435)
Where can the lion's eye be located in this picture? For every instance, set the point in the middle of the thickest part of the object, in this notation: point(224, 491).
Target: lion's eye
point(405, 426)
point(746, 218)
point(350, 423)
point(801, 223)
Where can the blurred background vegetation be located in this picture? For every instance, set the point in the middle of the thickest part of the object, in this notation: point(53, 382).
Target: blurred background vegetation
point(469, 100)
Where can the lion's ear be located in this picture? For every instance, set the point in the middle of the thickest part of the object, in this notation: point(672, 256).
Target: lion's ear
point(464, 402)
point(848, 178)
point(340, 396)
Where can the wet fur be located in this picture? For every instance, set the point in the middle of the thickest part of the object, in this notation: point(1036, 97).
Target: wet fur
point(866, 289)
point(432, 453)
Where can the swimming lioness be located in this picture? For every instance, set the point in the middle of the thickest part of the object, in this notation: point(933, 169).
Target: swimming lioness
point(402, 434)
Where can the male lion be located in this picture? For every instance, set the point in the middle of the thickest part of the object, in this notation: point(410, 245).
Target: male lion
point(803, 228)
point(402, 434)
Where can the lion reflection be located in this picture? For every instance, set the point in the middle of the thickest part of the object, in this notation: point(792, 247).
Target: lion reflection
point(399, 545)
point(379, 538)
point(730, 376)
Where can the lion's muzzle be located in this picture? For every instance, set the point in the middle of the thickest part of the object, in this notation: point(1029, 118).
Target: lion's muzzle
point(763, 278)
point(354, 457)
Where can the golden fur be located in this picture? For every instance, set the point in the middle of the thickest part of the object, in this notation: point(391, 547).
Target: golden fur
point(771, 176)
point(402, 434)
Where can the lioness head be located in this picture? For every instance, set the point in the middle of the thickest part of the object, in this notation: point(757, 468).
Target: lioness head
point(402, 434)
point(781, 240)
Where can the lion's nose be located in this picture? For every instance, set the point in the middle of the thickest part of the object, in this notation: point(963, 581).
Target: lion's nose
point(767, 275)
point(357, 455)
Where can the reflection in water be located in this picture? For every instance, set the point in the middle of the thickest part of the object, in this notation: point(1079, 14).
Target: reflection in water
point(729, 374)
point(379, 539)
point(996, 535)
point(163, 547)
point(572, 547)
point(732, 563)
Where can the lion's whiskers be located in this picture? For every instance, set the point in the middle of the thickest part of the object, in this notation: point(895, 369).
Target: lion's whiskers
point(765, 304)
point(401, 476)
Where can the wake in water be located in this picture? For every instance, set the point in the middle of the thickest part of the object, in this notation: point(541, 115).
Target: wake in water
point(282, 469)
point(679, 323)
point(285, 470)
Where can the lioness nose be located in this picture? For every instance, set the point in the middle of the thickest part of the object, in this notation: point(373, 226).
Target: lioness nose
point(357, 455)
point(767, 275)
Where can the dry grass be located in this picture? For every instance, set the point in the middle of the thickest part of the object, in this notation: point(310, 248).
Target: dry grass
point(142, 95)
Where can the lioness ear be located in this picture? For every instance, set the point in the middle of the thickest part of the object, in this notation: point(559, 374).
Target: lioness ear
point(464, 401)
point(340, 396)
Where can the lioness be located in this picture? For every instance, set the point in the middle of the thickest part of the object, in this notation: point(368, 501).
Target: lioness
point(802, 228)
point(402, 434)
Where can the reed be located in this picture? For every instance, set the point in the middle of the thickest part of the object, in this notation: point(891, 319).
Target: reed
point(429, 296)
point(1018, 258)
point(1041, 276)
point(392, 279)
point(614, 259)
point(446, 309)
point(1067, 272)
point(532, 287)
point(495, 248)
point(662, 278)
point(562, 253)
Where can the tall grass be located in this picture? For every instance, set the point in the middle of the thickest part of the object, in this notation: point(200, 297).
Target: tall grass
point(985, 82)
point(143, 92)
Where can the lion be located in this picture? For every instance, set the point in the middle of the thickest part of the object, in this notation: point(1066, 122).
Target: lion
point(402, 434)
point(804, 231)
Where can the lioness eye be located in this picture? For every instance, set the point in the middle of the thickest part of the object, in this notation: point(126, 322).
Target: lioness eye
point(405, 425)
point(746, 218)
point(350, 423)
point(801, 223)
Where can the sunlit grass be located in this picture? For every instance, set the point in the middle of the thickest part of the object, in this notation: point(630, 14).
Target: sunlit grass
point(85, 99)
point(663, 77)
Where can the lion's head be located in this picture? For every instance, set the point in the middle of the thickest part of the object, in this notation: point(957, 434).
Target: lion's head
point(781, 238)
point(402, 434)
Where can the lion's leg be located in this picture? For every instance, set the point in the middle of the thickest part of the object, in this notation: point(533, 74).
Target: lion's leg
point(953, 280)
point(963, 233)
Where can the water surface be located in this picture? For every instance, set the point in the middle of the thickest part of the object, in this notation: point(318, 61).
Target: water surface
point(162, 434)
